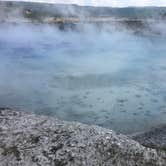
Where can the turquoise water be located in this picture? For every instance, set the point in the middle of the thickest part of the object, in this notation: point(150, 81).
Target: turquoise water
point(106, 77)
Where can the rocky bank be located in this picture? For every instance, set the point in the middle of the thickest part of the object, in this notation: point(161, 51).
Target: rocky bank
point(31, 140)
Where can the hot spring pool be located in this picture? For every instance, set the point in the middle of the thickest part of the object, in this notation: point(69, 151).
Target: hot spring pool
point(109, 78)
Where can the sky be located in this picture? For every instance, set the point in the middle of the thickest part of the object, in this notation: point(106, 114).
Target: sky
point(113, 3)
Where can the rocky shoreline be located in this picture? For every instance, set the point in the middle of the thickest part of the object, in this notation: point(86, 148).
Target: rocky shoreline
point(28, 139)
point(74, 17)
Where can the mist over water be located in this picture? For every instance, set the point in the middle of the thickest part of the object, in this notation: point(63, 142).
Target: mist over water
point(106, 76)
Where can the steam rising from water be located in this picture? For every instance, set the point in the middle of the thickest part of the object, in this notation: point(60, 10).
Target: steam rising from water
point(97, 76)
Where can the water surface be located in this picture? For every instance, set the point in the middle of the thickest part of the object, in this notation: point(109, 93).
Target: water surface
point(106, 77)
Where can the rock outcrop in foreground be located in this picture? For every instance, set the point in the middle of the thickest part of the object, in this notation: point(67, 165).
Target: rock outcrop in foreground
point(31, 140)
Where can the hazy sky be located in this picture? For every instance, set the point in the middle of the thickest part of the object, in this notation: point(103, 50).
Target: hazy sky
point(117, 3)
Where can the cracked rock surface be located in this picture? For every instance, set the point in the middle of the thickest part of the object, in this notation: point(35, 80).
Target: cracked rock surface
point(32, 140)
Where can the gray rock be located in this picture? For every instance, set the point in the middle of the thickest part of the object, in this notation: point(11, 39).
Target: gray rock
point(31, 140)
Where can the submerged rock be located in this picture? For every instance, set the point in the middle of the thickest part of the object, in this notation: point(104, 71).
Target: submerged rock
point(155, 138)
point(28, 139)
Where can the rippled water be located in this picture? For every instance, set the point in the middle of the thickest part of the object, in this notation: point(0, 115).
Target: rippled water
point(109, 78)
